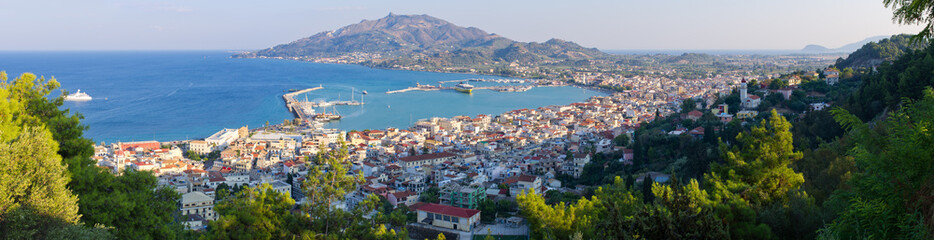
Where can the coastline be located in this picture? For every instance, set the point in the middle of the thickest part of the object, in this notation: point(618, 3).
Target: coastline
point(602, 91)
point(182, 133)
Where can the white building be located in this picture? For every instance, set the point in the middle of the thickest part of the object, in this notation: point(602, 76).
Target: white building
point(200, 147)
point(220, 140)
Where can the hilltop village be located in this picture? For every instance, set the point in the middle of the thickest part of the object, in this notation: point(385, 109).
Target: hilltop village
point(465, 159)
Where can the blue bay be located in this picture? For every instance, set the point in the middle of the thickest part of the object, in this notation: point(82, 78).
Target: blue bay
point(178, 95)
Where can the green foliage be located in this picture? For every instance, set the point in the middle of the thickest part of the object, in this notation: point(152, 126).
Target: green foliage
point(190, 154)
point(254, 213)
point(682, 213)
point(621, 140)
point(885, 50)
point(130, 206)
point(28, 223)
point(430, 195)
point(133, 204)
point(913, 12)
point(617, 211)
point(757, 168)
point(799, 218)
point(32, 175)
point(905, 77)
point(558, 221)
point(891, 195)
point(687, 105)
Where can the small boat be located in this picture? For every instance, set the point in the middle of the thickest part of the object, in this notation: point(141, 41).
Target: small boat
point(364, 92)
point(78, 96)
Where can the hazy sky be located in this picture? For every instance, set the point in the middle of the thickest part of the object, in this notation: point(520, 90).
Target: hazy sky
point(611, 24)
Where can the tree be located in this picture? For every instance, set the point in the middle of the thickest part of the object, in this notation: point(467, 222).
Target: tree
point(681, 213)
point(133, 204)
point(892, 193)
point(130, 206)
point(35, 137)
point(615, 219)
point(621, 140)
point(914, 12)
point(430, 195)
point(687, 105)
point(222, 192)
point(558, 221)
point(647, 195)
point(757, 168)
point(254, 213)
point(31, 171)
point(327, 182)
point(27, 223)
point(191, 154)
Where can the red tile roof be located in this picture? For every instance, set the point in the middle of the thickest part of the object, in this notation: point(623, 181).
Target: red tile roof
point(448, 210)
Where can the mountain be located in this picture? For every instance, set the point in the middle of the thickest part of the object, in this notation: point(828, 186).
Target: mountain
point(422, 40)
point(874, 53)
point(813, 48)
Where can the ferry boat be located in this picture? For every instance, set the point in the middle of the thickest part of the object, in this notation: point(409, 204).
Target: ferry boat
point(464, 87)
point(78, 96)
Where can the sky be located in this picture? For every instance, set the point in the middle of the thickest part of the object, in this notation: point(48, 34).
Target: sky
point(607, 25)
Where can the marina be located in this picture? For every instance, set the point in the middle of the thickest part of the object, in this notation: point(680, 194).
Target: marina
point(305, 111)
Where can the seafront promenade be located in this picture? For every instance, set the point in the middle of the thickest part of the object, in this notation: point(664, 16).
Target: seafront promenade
point(420, 87)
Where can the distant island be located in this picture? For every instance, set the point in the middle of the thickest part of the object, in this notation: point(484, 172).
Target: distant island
point(424, 41)
point(849, 48)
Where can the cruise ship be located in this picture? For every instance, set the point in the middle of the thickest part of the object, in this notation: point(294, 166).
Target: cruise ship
point(78, 96)
point(464, 88)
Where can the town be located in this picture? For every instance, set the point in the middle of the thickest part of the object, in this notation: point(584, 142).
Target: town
point(466, 159)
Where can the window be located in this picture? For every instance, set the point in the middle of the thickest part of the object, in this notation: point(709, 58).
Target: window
point(455, 219)
point(438, 216)
point(431, 215)
point(447, 218)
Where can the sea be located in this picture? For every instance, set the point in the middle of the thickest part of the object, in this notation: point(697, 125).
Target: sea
point(182, 95)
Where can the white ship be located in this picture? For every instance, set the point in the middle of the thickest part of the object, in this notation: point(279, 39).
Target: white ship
point(78, 96)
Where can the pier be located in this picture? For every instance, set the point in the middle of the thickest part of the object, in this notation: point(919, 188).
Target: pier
point(304, 110)
point(301, 110)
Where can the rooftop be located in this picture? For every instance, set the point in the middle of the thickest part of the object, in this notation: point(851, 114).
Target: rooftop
point(448, 210)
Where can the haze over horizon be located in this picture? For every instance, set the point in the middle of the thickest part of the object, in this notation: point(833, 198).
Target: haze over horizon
point(607, 25)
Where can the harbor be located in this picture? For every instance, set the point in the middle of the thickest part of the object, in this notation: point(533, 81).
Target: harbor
point(305, 111)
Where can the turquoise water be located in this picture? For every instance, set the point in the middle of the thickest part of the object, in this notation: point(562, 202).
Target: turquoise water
point(168, 95)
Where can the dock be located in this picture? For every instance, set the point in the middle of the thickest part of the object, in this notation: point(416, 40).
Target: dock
point(304, 110)
point(301, 110)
